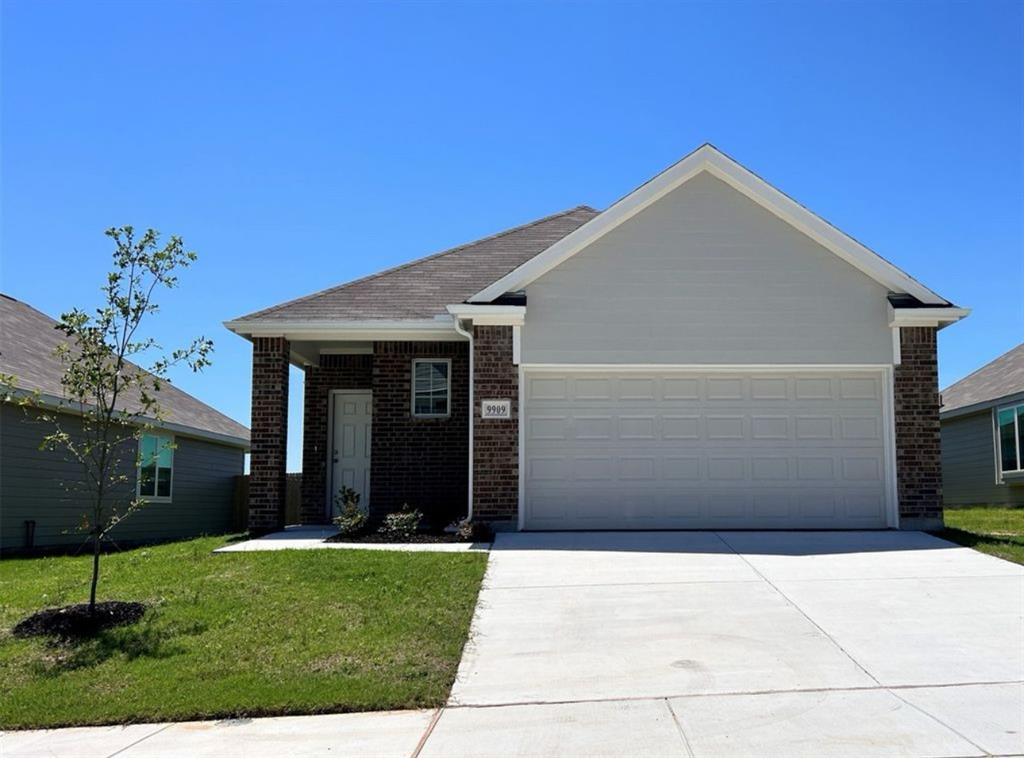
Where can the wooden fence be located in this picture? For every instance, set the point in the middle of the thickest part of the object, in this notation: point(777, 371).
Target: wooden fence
point(241, 501)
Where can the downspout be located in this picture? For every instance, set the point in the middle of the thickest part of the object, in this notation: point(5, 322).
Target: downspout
point(468, 335)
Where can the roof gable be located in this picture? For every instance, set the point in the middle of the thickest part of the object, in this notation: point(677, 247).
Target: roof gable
point(709, 159)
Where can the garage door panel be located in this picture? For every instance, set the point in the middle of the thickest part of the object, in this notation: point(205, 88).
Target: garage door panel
point(682, 449)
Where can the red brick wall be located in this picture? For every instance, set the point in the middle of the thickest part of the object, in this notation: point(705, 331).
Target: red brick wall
point(335, 372)
point(495, 441)
point(269, 434)
point(918, 453)
point(419, 461)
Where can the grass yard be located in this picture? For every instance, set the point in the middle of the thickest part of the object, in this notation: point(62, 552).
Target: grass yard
point(996, 531)
point(239, 634)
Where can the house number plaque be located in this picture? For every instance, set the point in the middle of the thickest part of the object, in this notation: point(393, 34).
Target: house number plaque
point(495, 409)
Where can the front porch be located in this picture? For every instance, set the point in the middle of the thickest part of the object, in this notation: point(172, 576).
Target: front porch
point(391, 420)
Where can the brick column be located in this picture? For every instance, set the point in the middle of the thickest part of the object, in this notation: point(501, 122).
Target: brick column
point(495, 441)
point(269, 434)
point(918, 454)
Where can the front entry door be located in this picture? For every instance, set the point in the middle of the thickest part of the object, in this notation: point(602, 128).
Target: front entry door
point(350, 446)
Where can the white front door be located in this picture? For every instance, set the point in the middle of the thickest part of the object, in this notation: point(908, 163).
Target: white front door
point(655, 449)
point(350, 445)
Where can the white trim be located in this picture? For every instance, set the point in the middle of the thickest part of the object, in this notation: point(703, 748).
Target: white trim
point(926, 316)
point(472, 419)
point(521, 434)
point(412, 387)
point(489, 315)
point(997, 446)
point(436, 329)
point(1000, 471)
point(892, 506)
point(138, 469)
point(705, 366)
point(897, 348)
point(517, 344)
point(708, 158)
point(888, 411)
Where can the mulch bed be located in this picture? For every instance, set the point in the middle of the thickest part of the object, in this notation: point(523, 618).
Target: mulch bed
point(380, 538)
point(73, 621)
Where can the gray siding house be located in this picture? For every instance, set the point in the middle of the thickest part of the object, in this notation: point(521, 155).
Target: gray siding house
point(983, 435)
point(189, 486)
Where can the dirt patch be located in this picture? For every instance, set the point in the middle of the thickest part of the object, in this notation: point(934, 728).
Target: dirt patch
point(75, 621)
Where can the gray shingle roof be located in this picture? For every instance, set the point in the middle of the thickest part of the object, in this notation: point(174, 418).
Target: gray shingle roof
point(1002, 377)
point(28, 339)
point(422, 288)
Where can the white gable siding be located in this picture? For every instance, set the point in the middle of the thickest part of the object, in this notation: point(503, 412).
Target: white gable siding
point(706, 276)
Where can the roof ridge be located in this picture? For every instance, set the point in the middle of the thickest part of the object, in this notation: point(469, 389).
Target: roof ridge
point(982, 368)
point(417, 261)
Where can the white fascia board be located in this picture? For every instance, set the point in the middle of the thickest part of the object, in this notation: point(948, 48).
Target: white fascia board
point(708, 158)
point(369, 329)
point(939, 317)
point(61, 405)
point(489, 315)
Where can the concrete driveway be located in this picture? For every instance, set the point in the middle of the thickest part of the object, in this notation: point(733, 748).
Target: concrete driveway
point(740, 644)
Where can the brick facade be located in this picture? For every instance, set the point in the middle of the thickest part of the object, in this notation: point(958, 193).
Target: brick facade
point(422, 462)
point(918, 455)
point(335, 372)
point(269, 434)
point(495, 441)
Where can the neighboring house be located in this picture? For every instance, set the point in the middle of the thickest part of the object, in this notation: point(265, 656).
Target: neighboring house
point(189, 486)
point(705, 353)
point(983, 435)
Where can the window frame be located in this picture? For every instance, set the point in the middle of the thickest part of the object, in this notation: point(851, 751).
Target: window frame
point(1017, 473)
point(448, 388)
point(154, 498)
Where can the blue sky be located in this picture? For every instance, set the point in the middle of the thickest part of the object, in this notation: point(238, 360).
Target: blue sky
point(297, 145)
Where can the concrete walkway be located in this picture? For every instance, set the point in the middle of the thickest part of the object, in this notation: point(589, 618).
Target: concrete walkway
point(312, 538)
point(687, 644)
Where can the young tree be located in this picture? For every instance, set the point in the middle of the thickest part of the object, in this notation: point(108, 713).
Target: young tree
point(115, 399)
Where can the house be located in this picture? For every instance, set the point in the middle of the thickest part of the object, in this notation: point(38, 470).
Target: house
point(982, 420)
point(194, 454)
point(705, 353)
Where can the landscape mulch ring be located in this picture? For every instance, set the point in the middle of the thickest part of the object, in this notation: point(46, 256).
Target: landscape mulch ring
point(75, 621)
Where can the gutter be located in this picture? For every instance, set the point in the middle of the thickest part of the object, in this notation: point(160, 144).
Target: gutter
point(469, 336)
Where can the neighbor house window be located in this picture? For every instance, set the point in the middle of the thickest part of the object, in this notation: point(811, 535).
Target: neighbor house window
point(1011, 438)
point(156, 464)
point(431, 387)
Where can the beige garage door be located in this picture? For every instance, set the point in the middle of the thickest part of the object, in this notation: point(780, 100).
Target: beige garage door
point(723, 450)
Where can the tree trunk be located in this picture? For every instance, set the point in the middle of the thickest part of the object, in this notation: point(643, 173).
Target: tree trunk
point(95, 572)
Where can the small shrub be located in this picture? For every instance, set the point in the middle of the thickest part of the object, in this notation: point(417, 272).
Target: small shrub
point(475, 531)
point(352, 520)
point(401, 525)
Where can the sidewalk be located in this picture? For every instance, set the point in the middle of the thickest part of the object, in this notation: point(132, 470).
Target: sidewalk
point(359, 735)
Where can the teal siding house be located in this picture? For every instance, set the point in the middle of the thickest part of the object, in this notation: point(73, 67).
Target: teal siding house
point(187, 466)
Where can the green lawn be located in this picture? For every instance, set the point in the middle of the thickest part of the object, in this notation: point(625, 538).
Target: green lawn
point(996, 531)
point(239, 634)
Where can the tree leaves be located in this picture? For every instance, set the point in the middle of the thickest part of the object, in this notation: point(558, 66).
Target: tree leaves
point(116, 399)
